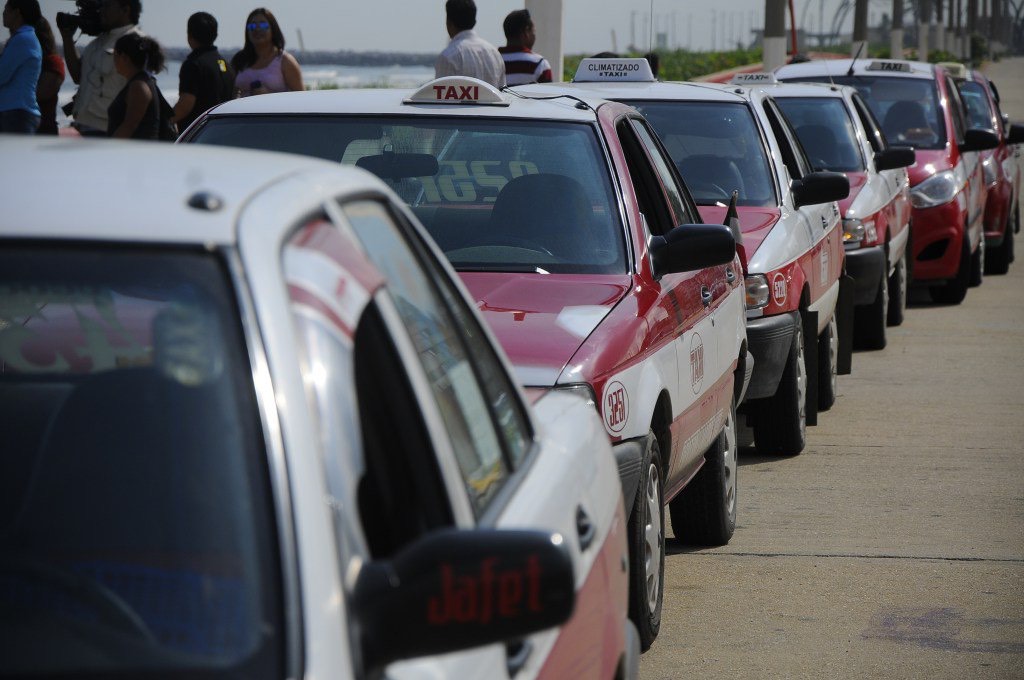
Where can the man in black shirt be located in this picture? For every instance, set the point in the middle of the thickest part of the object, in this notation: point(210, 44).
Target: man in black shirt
point(206, 78)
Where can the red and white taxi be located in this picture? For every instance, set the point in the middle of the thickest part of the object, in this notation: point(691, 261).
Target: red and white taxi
point(840, 134)
point(585, 254)
point(253, 428)
point(726, 139)
point(919, 105)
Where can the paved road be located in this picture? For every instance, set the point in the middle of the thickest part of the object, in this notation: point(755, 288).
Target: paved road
point(893, 547)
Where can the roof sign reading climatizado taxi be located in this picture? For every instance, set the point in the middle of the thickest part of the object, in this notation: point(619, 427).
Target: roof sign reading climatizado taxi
point(616, 70)
point(458, 90)
point(758, 78)
point(898, 66)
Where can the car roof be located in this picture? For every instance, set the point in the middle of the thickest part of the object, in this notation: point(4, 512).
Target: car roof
point(808, 90)
point(398, 101)
point(140, 191)
point(861, 67)
point(643, 90)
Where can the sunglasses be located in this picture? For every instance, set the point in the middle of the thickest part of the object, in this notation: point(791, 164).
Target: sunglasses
point(261, 25)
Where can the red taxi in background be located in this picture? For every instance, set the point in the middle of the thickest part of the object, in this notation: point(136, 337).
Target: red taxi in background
point(1000, 166)
point(584, 252)
point(727, 139)
point(839, 133)
point(919, 105)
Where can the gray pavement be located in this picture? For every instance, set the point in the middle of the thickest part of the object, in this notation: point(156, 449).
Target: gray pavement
point(893, 547)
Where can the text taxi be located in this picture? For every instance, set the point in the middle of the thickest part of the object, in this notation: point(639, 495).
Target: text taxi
point(726, 139)
point(569, 225)
point(253, 428)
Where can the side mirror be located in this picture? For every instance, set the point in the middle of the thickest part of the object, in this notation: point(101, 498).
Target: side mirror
point(692, 246)
point(820, 187)
point(456, 589)
point(1015, 133)
point(895, 157)
point(979, 139)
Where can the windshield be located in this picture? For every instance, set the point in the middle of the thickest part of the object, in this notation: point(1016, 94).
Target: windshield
point(978, 114)
point(825, 131)
point(908, 107)
point(716, 147)
point(136, 535)
point(496, 195)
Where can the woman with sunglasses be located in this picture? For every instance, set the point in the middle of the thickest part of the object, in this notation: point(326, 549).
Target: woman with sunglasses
point(262, 65)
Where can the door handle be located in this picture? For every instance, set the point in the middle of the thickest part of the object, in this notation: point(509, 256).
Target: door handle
point(585, 528)
point(517, 654)
point(705, 296)
point(730, 275)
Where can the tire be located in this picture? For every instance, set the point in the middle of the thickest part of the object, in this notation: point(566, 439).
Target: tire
point(780, 421)
point(828, 360)
point(705, 512)
point(647, 547)
point(869, 321)
point(897, 293)
point(978, 264)
point(997, 260)
point(954, 291)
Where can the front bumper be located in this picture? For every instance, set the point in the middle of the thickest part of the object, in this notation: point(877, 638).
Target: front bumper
point(629, 456)
point(938, 235)
point(867, 267)
point(769, 339)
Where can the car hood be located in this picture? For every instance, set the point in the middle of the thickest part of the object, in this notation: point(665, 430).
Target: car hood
point(929, 162)
point(755, 223)
point(541, 320)
point(857, 182)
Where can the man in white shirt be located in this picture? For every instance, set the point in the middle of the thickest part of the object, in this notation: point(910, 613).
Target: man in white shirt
point(468, 54)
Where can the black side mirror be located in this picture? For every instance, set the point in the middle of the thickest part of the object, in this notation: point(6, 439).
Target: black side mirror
point(689, 247)
point(1015, 133)
point(895, 157)
point(456, 589)
point(979, 139)
point(820, 187)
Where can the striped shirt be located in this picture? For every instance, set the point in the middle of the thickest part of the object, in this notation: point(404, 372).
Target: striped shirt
point(523, 66)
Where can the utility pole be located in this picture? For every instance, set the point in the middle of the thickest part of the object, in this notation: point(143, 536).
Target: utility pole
point(774, 34)
point(859, 45)
point(896, 34)
point(940, 31)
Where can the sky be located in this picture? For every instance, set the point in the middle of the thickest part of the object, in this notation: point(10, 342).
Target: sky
point(418, 25)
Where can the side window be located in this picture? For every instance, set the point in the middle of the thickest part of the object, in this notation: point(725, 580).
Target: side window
point(682, 205)
point(792, 153)
point(870, 123)
point(645, 180)
point(956, 110)
point(482, 414)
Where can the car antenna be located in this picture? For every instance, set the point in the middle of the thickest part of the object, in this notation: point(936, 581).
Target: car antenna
point(854, 60)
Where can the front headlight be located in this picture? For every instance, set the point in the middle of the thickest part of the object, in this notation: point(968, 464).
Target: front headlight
point(937, 190)
point(853, 233)
point(757, 290)
point(990, 170)
point(582, 389)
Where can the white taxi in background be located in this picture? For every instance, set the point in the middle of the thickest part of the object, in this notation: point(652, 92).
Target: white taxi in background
point(570, 227)
point(252, 428)
point(727, 139)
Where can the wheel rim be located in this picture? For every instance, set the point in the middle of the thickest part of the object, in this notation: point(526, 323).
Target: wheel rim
point(801, 381)
point(652, 536)
point(833, 354)
point(731, 461)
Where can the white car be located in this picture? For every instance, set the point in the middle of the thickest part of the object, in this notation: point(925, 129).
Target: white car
point(253, 428)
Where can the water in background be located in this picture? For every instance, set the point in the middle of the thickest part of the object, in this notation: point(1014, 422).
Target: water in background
point(314, 76)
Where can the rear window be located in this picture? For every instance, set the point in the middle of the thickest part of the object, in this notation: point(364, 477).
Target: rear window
point(717, 148)
point(907, 107)
point(136, 532)
point(496, 195)
point(825, 131)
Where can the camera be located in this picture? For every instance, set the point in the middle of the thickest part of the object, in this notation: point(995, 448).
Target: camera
point(88, 18)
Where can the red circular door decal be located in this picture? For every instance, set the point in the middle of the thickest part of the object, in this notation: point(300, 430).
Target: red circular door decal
point(615, 407)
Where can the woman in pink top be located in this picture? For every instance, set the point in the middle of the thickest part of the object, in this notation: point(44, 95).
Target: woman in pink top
point(262, 65)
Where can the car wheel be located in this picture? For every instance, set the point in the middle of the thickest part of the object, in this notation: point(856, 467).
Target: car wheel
point(647, 547)
point(869, 321)
point(978, 264)
point(954, 291)
point(997, 260)
point(705, 512)
point(897, 293)
point(780, 421)
point(828, 361)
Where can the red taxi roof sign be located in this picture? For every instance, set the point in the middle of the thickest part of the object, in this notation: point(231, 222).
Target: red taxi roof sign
point(458, 90)
point(756, 78)
point(614, 70)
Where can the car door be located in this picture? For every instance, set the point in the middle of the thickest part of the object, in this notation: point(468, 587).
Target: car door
point(499, 466)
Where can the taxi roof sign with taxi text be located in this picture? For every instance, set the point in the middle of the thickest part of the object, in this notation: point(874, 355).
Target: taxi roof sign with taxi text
point(757, 78)
point(894, 66)
point(458, 90)
point(614, 70)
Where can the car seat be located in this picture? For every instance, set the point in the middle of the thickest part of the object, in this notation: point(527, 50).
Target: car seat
point(901, 117)
point(700, 170)
point(820, 146)
point(551, 211)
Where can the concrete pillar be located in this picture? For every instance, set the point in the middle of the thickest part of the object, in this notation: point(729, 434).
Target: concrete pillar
point(896, 35)
point(549, 20)
point(924, 19)
point(937, 31)
point(774, 34)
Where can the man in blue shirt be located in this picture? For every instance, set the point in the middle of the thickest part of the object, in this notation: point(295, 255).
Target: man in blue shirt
point(20, 64)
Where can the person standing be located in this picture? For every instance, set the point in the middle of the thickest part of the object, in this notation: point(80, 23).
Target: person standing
point(50, 79)
point(262, 64)
point(98, 81)
point(468, 54)
point(20, 64)
point(522, 64)
point(205, 79)
point(135, 111)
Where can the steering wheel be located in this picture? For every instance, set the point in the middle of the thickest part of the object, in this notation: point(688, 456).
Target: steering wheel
point(111, 608)
point(707, 189)
point(527, 244)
